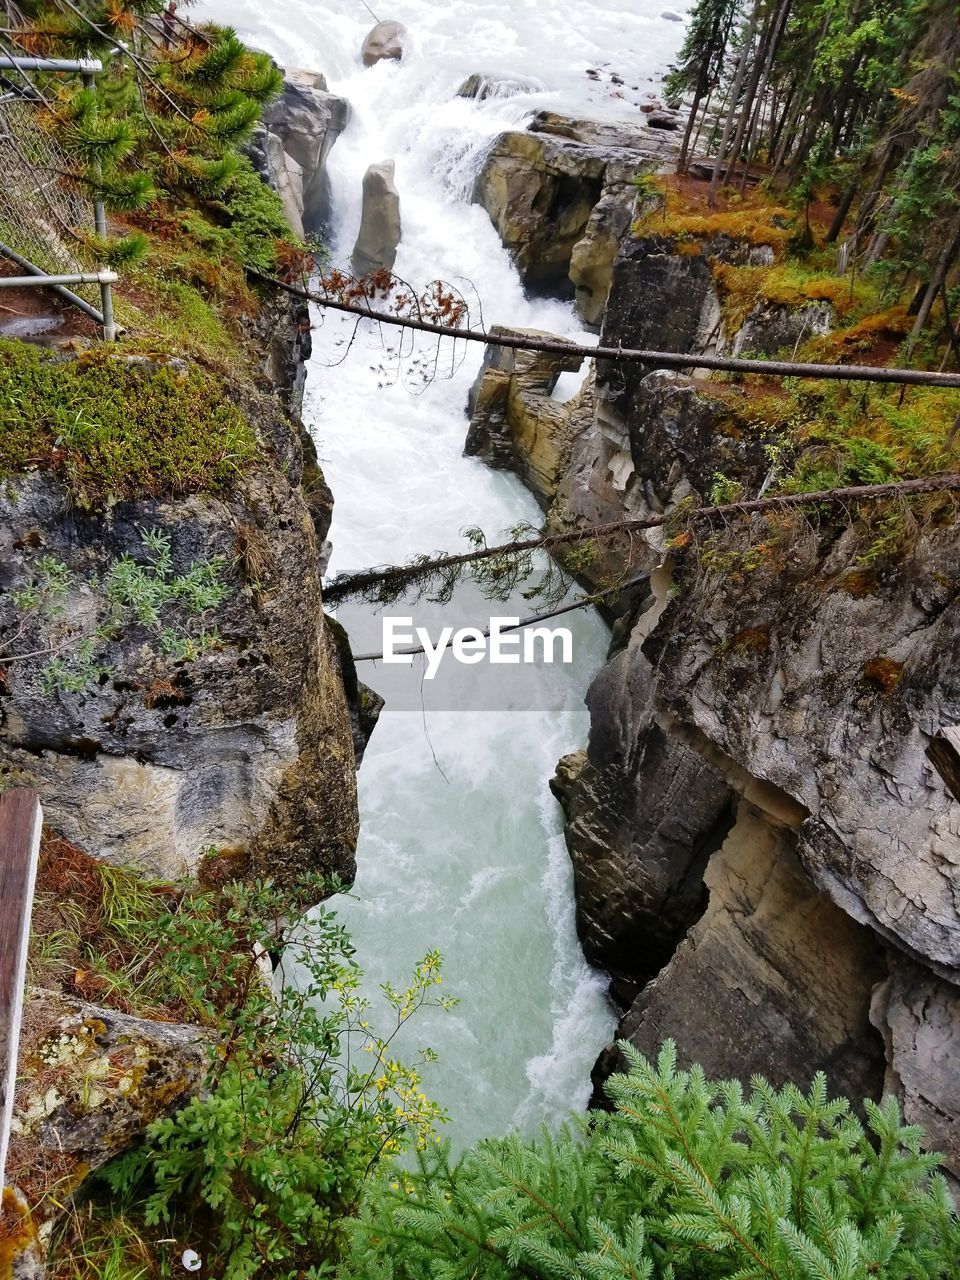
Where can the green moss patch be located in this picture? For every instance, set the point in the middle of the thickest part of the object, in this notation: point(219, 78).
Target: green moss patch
point(786, 284)
point(115, 429)
point(753, 220)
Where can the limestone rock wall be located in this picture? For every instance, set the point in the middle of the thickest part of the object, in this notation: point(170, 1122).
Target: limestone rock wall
point(159, 756)
point(765, 861)
point(155, 755)
point(290, 148)
point(561, 195)
point(514, 423)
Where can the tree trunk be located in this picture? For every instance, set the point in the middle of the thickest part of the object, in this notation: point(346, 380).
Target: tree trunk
point(944, 263)
point(746, 110)
point(760, 87)
point(703, 121)
point(697, 97)
point(749, 31)
point(773, 46)
point(844, 207)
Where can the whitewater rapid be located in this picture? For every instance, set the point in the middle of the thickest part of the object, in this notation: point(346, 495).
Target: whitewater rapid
point(461, 845)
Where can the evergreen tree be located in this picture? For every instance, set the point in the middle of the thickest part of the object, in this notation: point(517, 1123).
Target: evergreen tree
point(684, 1180)
point(861, 96)
point(165, 118)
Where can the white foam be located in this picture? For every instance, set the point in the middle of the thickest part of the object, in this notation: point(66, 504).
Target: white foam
point(470, 859)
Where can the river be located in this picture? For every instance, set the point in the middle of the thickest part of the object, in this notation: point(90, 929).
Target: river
point(461, 844)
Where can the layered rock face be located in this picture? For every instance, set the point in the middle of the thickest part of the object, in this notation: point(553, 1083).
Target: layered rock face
point(162, 753)
point(561, 195)
point(765, 860)
point(160, 756)
point(290, 147)
point(513, 421)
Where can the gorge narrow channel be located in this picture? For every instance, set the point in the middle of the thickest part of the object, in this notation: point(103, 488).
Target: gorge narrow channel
point(461, 846)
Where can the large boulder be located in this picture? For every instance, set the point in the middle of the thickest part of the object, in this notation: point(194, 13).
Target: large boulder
point(482, 85)
point(514, 423)
point(380, 230)
point(383, 44)
point(770, 329)
point(90, 1081)
point(307, 120)
point(541, 187)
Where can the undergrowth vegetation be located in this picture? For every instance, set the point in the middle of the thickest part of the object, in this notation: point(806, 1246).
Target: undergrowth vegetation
point(159, 139)
point(687, 1179)
point(818, 434)
point(291, 1164)
point(118, 429)
point(304, 1095)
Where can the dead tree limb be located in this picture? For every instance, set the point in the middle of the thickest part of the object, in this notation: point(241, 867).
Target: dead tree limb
point(354, 584)
point(629, 355)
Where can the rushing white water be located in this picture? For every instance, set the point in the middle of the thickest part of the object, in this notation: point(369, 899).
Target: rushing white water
point(461, 844)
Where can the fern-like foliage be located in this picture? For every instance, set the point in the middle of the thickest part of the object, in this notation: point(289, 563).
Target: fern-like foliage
point(685, 1180)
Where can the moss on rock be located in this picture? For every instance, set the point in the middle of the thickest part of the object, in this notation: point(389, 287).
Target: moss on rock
point(119, 428)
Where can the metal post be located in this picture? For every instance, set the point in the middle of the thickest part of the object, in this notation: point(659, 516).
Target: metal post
point(20, 823)
point(44, 281)
point(100, 225)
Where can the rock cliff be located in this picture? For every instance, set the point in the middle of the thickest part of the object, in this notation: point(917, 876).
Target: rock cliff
point(765, 861)
point(561, 195)
point(163, 744)
point(290, 148)
point(172, 689)
point(514, 423)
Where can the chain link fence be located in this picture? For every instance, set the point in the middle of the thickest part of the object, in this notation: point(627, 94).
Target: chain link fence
point(43, 216)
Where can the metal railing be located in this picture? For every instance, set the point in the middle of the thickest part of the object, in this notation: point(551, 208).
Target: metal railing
point(20, 823)
point(45, 217)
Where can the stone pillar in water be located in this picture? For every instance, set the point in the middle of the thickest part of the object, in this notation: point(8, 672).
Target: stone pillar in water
point(379, 236)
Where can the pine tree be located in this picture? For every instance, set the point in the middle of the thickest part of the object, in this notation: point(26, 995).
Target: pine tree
point(164, 120)
point(684, 1180)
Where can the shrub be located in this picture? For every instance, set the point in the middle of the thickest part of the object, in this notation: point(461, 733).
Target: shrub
point(303, 1098)
point(685, 1180)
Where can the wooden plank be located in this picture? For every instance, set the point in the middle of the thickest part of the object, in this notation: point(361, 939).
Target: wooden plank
point(944, 751)
point(20, 823)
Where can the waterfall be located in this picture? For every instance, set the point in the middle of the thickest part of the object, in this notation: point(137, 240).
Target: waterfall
point(461, 845)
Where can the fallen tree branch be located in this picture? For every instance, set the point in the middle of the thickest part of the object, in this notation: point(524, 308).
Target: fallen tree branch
point(630, 355)
point(580, 603)
point(395, 576)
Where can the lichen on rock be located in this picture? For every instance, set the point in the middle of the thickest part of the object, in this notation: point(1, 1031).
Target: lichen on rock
point(90, 1082)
